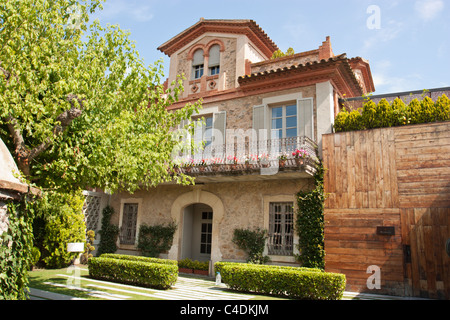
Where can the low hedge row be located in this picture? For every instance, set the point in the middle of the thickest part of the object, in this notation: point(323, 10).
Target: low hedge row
point(291, 282)
point(135, 272)
point(384, 114)
point(138, 258)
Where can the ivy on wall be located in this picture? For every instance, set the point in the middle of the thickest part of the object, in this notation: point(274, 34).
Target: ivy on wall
point(252, 242)
point(310, 223)
point(16, 251)
point(154, 240)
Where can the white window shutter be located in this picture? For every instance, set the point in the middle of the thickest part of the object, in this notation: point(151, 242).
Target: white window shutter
point(305, 118)
point(184, 137)
point(198, 138)
point(259, 120)
point(219, 125)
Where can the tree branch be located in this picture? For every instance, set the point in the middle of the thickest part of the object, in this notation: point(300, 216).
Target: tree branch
point(23, 153)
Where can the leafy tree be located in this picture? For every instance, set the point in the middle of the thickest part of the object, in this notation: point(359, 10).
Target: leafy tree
point(279, 54)
point(78, 107)
point(62, 222)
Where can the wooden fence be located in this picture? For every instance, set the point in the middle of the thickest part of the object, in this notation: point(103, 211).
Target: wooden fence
point(388, 206)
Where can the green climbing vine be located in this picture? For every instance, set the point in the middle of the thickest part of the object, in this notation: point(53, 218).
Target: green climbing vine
point(16, 251)
point(310, 223)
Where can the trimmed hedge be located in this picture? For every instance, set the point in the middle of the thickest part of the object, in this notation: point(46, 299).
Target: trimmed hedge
point(291, 282)
point(384, 114)
point(135, 272)
point(138, 258)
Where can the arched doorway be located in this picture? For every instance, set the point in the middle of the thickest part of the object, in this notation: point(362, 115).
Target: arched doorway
point(182, 212)
point(197, 232)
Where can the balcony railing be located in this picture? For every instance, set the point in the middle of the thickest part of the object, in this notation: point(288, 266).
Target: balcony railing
point(268, 156)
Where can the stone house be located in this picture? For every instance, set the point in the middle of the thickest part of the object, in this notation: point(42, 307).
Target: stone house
point(253, 106)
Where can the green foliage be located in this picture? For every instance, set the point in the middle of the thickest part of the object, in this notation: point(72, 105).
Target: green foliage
point(397, 113)
point(154, 240)
point(140, 273)
point(139, 258)
point(90, 237)
point(193, 264)
point(296, 283)
point(78, 106)
point(310, 223)
point(442, 108)
point(351, 120)
point(16, 255)
point(252, 242)
point(280, 54)
point(108, 233)
point(36, 255)
point(63, 219)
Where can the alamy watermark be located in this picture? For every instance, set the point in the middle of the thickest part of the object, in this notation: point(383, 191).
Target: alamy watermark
point(374, 280)
point(373, 22)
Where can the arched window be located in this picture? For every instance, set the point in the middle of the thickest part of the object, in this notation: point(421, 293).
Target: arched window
point(214, 60)
point(197, 64)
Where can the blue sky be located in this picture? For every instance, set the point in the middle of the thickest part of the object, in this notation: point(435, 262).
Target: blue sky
point(407, 42)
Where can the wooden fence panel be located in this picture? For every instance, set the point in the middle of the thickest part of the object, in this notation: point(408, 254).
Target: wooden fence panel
point(397, 177)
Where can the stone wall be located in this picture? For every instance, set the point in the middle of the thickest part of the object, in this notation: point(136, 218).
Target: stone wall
point(242, 202)
point(240, 110)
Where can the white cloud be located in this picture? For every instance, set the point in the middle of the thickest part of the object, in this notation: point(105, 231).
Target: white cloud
point(136, 10)
point(429, 9)
point(389, 31)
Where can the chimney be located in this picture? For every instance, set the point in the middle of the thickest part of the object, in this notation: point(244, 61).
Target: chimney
point(325, 51)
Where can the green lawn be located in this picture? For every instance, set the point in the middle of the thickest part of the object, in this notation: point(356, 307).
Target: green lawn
point(75, 282)
point(62, 281)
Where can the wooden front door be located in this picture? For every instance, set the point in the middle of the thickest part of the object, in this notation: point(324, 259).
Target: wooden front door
point(427, 264)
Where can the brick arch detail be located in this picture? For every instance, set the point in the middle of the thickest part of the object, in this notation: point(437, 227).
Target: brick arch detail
point(213, 42)
point(196, 47)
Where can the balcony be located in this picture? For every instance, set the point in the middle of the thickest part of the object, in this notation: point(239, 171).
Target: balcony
point(286, 158)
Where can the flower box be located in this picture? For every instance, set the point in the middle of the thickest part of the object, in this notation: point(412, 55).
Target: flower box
point(201, 272)
point(185, 270)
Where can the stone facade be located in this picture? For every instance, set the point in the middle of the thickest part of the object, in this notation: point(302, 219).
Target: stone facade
point(242, 96)
point(243, 204)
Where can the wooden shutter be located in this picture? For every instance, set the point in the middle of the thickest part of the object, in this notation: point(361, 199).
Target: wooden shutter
point(305, 118)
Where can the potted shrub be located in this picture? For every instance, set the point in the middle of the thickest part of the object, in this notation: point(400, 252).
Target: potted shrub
point(201, 267)
point(299, 155)
point(282, 160)
point(185, 266)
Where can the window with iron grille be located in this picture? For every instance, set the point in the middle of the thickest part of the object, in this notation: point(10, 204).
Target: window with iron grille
point(281, 228)
point(91, 210)
point(129, 220)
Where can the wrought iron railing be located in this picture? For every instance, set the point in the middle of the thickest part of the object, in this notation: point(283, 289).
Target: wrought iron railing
point(248, 156)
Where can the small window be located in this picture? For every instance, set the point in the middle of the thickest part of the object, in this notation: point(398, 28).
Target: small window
point(129, 220)
point(214, 70)
point(198, 64)
point(198, 72)
point(284, 125)
point(214, 60)
point(206, 233)
point(281, 228)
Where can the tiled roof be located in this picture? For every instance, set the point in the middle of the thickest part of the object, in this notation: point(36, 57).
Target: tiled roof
point(285, 72)
point(248, 27)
